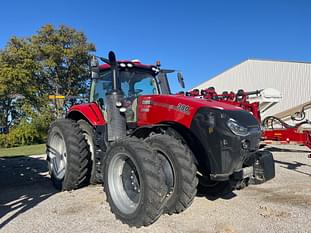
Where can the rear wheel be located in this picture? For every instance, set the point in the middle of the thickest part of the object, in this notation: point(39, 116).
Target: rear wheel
point(67, 155)
point(179, 169)
point(133, 182)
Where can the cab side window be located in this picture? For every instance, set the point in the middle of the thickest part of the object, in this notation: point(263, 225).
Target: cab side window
point(102, 87)
point(146, 86)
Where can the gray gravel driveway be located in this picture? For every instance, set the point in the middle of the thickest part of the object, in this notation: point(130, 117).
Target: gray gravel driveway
point(29, 203)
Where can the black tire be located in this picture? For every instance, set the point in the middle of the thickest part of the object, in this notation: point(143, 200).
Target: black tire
point(89, 134)
point(181, 162)
point(76, 154)
point(140, 160)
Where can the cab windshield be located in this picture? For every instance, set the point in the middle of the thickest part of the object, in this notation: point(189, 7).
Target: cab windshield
point(133, 84)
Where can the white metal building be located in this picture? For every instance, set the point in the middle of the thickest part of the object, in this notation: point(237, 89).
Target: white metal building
point(292, 79)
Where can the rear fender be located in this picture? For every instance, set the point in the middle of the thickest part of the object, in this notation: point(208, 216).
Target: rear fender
point(90, 111)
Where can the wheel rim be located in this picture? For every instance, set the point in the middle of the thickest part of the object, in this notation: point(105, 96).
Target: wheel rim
point(89, 141)
point(124, 183)
point(57, 155)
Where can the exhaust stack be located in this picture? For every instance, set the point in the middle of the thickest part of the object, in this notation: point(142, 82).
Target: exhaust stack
point(116, 121)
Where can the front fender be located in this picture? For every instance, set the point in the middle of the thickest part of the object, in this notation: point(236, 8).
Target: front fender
point(90, 111)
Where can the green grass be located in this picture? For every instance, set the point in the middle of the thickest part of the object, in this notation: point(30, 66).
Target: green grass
point(22, 151)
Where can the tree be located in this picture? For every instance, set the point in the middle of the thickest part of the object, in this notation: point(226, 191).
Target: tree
point(64, 55)
point(53, 61)
point(18, 66)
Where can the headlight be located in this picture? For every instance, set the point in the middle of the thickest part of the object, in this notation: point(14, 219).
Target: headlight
point(236, 128)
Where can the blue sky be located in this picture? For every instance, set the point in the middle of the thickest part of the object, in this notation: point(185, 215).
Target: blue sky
point(201, 38)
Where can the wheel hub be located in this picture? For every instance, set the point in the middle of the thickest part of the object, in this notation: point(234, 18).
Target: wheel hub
point(134, 181)
point(130, 181)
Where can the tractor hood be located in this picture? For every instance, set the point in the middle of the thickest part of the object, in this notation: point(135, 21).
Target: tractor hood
point(154, 109)
point(198, 102)
point(192, 102)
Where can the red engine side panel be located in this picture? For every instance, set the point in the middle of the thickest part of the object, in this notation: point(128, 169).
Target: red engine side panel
point(154, 109)
point(91, 111)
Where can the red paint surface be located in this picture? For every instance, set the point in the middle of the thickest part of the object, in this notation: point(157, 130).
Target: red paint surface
point(91, 111)
point(163, 108)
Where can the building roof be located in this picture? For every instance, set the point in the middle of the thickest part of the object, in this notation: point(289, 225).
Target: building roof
point(254, 59)
point(291, 78)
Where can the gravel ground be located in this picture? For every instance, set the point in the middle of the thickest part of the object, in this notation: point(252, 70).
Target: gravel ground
point(29, 203)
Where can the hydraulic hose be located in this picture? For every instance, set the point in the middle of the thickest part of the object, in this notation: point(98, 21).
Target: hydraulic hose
point(269, 122)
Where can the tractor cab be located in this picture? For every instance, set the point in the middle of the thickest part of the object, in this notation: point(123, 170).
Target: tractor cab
point(134, 80)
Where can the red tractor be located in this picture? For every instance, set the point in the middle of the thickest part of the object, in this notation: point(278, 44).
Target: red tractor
point(149, 148)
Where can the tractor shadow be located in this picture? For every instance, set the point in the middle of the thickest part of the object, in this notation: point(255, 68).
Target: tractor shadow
point(226, 194)
point(213, 197)
point(294, 166)
point(24, 183)
point(279, 149)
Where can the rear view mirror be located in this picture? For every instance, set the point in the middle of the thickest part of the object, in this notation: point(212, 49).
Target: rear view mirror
point(181, 80)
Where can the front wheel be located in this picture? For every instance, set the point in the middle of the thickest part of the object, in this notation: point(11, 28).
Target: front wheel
point(179, 169)
point(133, 182)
